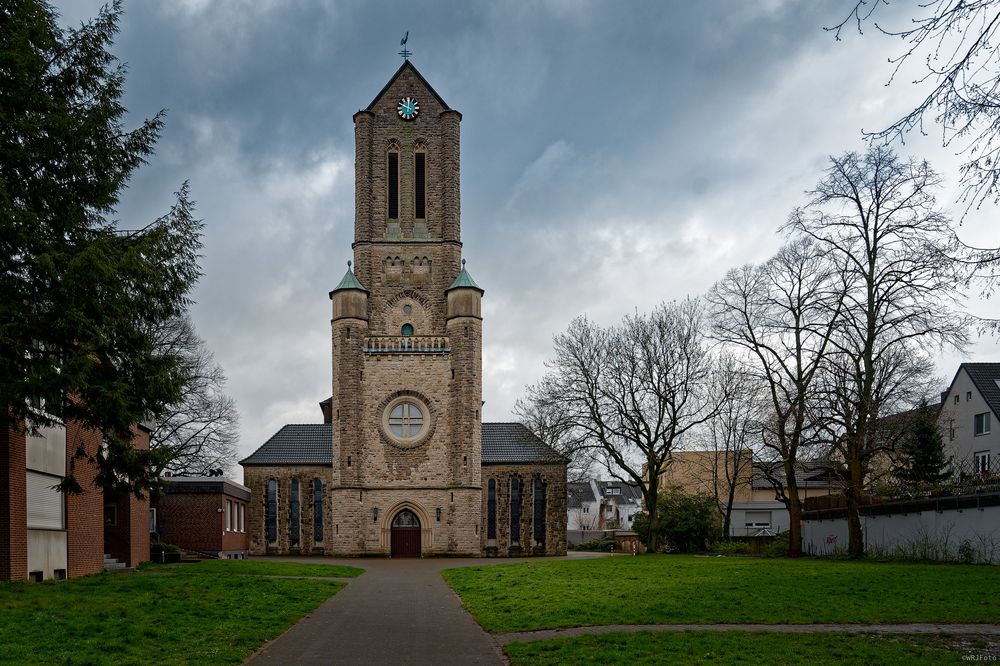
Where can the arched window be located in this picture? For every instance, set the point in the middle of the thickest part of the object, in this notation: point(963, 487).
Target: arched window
point(539, 511)
point(419, 161)
point(317, 509)
point(407, 330)
point(515, 509)
point(491, 510)
point(293, 514)
point(392, 182)
point(271, 511)
point(406, 518)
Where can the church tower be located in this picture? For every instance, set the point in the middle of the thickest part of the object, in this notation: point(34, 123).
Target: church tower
point(406, 340)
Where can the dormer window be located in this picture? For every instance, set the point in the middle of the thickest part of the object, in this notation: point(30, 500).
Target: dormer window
point(614, 490)
point(392, 180)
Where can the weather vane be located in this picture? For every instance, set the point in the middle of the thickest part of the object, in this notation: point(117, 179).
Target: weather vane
point(405, 53)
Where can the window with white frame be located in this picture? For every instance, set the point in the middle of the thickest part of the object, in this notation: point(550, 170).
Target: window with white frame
point(982, 461)
point(243, 517)
point(586, 509)
point(229, 515)
point(982, 423)
point(614, 490)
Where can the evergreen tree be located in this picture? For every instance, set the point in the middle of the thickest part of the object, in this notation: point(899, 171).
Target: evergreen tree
point(77, 293)
point(922, 449)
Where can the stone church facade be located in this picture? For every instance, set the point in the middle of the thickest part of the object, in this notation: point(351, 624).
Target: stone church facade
point(402, 464)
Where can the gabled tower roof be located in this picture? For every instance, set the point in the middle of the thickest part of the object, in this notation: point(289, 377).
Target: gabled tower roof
point(407, 65)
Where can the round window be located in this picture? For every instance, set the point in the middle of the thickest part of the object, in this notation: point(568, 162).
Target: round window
point(407, 309)
point(406, 420)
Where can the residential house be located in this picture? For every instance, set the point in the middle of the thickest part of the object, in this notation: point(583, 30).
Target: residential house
point(968, 418)
point(602, 505)
point(756, 509)
point(583, 508)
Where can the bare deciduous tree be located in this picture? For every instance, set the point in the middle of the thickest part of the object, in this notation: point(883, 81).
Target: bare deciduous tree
point(730, 437)
point(633, 390)
point(958, 42)
point(781, 315)
point(875, 216)
point(558, 430)
point(199, 433)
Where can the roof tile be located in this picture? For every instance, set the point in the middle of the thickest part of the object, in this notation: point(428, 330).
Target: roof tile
point(312, 444)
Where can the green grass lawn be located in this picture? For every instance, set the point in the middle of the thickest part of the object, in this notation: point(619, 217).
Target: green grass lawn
point(755, 648)
point(257, 568)
point(675, 589)
point(213, 612)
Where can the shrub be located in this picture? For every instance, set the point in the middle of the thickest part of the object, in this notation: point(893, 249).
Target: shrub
point(731, 548)
point(685, 523)
point(600, 544)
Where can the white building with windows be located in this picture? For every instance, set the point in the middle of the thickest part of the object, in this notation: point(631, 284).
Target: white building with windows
point(968, 418)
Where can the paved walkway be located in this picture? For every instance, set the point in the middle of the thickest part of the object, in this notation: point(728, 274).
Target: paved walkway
point(397, 612)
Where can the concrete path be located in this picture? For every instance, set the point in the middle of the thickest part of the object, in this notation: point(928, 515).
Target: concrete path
point(397, 612)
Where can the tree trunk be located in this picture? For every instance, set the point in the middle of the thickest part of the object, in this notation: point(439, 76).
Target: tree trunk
point(794, 512)
point(727, 520)
point(653, 538)
point(855, 534)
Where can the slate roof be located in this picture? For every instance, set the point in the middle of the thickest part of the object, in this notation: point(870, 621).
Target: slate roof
point(311, 444)
point(296, 444)
point(630, 494)
point(579, 492)
point(986, 377)
point(407, 65)
point(811, 475)
point(514, 443)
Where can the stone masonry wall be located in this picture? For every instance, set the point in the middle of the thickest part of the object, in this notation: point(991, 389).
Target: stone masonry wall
point(362, 519)
point(554, 478)
point(255, 478)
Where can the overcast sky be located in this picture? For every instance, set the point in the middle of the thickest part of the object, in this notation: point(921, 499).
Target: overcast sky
point(614, 155)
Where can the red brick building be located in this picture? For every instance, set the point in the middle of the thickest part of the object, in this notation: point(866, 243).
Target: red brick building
point(205, 514)
point(45, 533)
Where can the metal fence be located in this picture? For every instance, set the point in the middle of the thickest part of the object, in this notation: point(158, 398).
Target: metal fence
point(966, 477)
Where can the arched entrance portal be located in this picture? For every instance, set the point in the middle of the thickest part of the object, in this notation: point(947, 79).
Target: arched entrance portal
point(405, 535)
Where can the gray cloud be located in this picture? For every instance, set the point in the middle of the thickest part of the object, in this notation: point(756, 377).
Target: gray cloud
point(614, 155)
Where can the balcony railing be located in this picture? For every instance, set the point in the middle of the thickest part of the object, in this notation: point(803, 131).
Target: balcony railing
point(407, 344)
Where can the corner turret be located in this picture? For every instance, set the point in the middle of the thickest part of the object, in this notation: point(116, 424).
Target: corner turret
point(350, 298)
point(464, 296)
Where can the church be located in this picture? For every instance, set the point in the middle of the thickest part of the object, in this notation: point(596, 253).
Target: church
point(402, 464)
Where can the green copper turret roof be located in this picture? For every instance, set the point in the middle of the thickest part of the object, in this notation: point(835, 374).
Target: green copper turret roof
point(349, 281)
point(464, 280)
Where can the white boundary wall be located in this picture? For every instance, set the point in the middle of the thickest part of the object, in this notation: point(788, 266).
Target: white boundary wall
point(971, 534)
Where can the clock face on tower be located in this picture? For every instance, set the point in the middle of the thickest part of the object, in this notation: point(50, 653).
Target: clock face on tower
point(408, 108)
